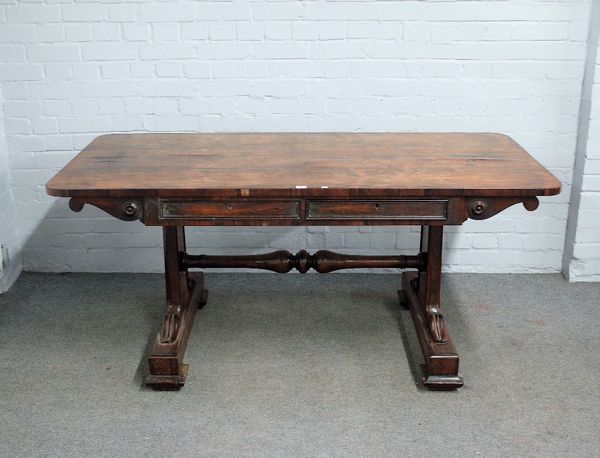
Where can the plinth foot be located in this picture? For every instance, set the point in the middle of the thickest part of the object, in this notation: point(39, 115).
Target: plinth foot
point(443, 382)
point(167, 382)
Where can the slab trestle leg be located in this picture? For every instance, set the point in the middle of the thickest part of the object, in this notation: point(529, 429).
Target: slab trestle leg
point(421, 292)
point(185, 293)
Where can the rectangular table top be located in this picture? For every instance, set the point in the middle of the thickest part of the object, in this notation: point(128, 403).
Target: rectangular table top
point(303, 164)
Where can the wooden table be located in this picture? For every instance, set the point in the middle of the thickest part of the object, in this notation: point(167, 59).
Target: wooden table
point(285, 179)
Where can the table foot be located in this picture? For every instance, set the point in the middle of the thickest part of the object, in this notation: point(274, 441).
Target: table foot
point(203, 298)
point(443, 382)
point(167, 382)
point(403, 300)
point(195, 282)
point(441, 358)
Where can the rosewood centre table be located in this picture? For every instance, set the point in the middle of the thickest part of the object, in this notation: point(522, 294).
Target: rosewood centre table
point(301, 179)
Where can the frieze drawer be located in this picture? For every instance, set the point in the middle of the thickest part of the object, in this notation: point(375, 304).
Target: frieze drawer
point(435, 210)
point(214, 209)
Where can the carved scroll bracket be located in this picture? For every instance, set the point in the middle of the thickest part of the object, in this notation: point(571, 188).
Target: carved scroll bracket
point(436, 325)
point(171, 324)
point(123, 209)
point(483, 208)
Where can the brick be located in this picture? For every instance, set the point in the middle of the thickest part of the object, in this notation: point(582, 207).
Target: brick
point(166, 32)
point(109, 89)
point(332, 30)
point(280, 50)
point(166, 88)
point(20, 72)
point(388, 30)
point(142, 69)
point(78, 32)
point(590, 183)
point(45, 126)
point(254, 69)
point(86, 71)
point(223, 50)
point(540, 31)
point(59, 71)
point(52, 53)
point(586, 251)
point(137, 106)
point(416, 31)
point(108, 51)
point(587, 235)
point(135, 32)
point(122, 13)
point(278, 30)
point(82, 13)
point(194, 31)
point(51, 32)
point(334, 50)
point(75, 125)
point(169, 69)
point(115, 70)
point(28, 143)
point(175, 123)
point(56, 107)
point(223, 30)
point(58, 143)
point(337, 11)
point(25, 13)
point(310, 69)
point(196, 69)
point(337, 69)
point(12, 53)
point(165, 106)
point(167, 51)
point(165, 12)
point(21, 108)
point(115, 107)
point(227, 69)
point(192, 106)
point(282, 68)
point(590, 200)
point(17, 126)
point(382, 242)
point(278, 11)
point(305, 30)
point(230, 11)
point(584, 271)
point(444, 32)
point(106, 32)
point(19, 33)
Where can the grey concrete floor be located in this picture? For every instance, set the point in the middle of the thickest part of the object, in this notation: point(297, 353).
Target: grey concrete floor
point(299, 365)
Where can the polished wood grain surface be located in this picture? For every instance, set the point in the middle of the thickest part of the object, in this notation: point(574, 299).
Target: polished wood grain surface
point(337, 165)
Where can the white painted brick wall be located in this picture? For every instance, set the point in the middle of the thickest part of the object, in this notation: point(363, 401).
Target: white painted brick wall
point(73, 70)
point(8, 221)
point(583, 243)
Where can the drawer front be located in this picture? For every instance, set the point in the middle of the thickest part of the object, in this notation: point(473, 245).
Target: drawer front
point(181, 209)
point(397, 210)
